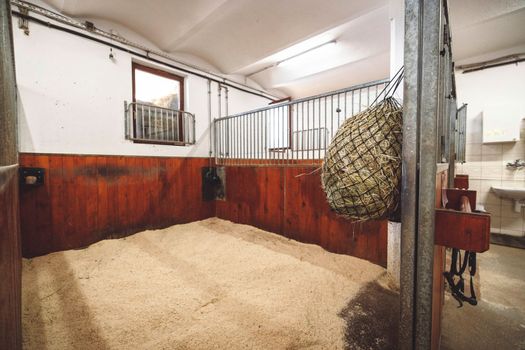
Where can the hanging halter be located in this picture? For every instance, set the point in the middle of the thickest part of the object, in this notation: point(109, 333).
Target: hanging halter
point(458, 288)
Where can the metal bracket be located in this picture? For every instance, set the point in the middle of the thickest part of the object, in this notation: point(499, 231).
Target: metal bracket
point(23, 23)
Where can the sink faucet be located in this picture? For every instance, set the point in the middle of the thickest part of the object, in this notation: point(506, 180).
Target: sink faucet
point(518, 164)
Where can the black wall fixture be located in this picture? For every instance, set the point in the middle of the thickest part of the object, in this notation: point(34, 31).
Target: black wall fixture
point(32, 176)
point(213, 183)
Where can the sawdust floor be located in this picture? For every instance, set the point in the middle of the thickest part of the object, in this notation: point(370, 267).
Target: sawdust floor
point(210, 284)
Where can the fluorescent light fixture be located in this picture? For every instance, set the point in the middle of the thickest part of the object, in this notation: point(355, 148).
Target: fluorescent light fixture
point(307, 55)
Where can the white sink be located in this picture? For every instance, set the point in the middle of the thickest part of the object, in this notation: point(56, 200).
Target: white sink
point(515, 193)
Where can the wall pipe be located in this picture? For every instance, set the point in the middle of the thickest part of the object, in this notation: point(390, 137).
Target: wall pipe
point(181, 66)
point(210, 123)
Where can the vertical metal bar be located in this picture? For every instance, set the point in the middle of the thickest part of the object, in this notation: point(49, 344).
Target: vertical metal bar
point(360, 95)
point(143, 134)
point(353, 103)
point(332, 115)
point(285, 134)
point(149, 122)
point(250, 155)
point(265, 138)
point(422, 28)
point(10, 295)
point(319, 130)
point(243, 133)
point(8, 151)
point(173, 127)
point(326, 116)
point(346, 100)
point(307, 129)
point(257, 136)
point(452, 140)
point(239, 139)
point(409, 180)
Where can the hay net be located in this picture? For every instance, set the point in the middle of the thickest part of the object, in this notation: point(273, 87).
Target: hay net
point(361, 171)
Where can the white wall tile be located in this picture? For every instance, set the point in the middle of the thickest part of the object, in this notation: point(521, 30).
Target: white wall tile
point(472, 149)
point(513, 150)
point(512, 224)
point(507, 210)
point(495, 223)
point(491, 149)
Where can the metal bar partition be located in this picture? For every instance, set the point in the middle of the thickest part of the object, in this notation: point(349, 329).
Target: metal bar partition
point(297, 132)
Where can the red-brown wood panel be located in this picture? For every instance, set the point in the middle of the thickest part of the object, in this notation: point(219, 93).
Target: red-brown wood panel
point(287, 201)
point(88, 198)
point(10, 261)
point(254, 196)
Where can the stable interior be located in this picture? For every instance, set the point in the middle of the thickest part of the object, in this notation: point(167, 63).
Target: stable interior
point(163, 172)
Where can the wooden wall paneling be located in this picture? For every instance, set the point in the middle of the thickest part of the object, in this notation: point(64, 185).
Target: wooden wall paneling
point(165, 183)
point(58, 203)
point(10, 261)
point(27, 212)
point(302, 217)
point(122, 194)
point(88, 198)
point(89, 182)
point(180, 189)
point(37, 208)
point(111, 179)
point(191, 190)
point(103, 208)
point(270, 204)
point(137, 200)
point(153, 174)
point(308, 218)
point(144, 171)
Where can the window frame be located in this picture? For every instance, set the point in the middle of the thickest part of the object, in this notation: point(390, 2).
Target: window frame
point(164, 74)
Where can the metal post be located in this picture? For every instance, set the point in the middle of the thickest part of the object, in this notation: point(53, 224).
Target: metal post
point(420, 115)
point(10, 252)
point(8, 145)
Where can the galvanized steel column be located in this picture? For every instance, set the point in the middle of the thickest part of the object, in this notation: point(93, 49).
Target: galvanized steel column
point(8, 146)
point(420, 144)
point(10, 252)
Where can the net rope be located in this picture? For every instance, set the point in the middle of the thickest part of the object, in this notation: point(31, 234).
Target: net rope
point(361, 172)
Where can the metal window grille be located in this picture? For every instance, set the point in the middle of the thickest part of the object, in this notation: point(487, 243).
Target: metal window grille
point(291, 133)
point(152, 124)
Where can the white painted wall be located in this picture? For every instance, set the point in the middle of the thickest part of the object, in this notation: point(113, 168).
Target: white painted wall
point(71, 98)
point(396, 10)
point(486, 162)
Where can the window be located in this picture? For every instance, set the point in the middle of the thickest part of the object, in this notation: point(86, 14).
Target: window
point(158, 107)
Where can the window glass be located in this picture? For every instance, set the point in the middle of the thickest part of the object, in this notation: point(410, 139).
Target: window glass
point(156, 89)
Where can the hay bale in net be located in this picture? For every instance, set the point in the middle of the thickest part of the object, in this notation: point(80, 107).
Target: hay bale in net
point(362, 166)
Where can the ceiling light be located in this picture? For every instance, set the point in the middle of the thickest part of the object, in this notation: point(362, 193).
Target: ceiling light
point(314, 52)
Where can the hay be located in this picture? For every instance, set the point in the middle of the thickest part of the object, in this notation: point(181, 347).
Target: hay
point(362, 166)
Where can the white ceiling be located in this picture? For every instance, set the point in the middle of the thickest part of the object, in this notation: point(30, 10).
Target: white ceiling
point(241, 37)
point(480, 27)
point(238, 36)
